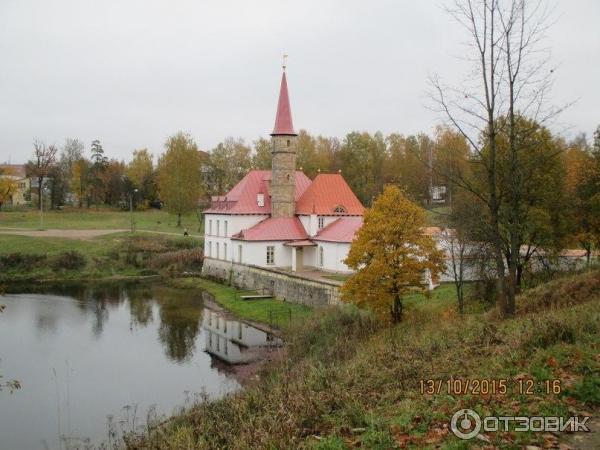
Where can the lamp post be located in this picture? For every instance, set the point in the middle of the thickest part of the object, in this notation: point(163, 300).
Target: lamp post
point(131, 208)
point(42, 207)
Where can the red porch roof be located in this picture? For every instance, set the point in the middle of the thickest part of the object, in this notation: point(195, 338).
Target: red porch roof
point(341, 230)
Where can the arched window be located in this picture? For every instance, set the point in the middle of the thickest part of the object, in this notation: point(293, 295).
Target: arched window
point(288, 142)
point(339, 209)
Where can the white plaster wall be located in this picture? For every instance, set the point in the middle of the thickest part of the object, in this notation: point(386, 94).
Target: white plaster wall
point(333, 255)
point(305, 220)
point(310, 256)
point(255, 253)
point(235, 223)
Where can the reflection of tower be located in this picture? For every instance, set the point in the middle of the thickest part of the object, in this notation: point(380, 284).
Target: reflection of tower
point(283, 140)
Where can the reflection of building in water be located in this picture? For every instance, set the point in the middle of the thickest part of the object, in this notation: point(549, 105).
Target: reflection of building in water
point(233, 341)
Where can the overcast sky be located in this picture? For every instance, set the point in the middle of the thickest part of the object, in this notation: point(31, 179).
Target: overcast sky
point(130, 73)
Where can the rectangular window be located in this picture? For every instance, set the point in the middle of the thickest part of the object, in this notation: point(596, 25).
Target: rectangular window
point(270, 255)
point(218, 255)
point(209, 249)
point(321, 222)
point(225, 251)
point(218, 226)
point(210, 227)
point(225, 226)
point(240, 253)
point(321, 256)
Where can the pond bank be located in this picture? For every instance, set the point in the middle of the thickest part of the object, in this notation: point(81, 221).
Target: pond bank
point(272, 312)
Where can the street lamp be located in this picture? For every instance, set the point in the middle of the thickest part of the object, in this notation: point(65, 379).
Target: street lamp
point(131, 208)
point(42, 207)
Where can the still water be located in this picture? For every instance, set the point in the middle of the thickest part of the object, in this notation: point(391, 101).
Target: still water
point(87, 356)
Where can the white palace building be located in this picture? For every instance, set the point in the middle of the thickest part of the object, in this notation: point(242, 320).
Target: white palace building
point(281, 218)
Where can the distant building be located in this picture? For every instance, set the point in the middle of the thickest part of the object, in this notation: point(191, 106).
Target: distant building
point(18, 173)
point(281, 218)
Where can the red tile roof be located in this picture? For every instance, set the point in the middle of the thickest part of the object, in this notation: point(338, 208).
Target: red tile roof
point(242, 199)
point(341, 230)
point(274, 229)
point(14, 170)
point(327, 192)
point(283, 118)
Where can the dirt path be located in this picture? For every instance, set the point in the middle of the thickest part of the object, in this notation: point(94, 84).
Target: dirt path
point(68, 234)
point(75, 234)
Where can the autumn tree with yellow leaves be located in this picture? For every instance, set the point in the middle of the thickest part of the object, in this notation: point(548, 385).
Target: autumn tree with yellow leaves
point(179, 175)
point(8, 184)
point(390, 255)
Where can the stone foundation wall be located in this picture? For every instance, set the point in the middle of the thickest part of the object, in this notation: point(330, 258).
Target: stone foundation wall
point(282, 285)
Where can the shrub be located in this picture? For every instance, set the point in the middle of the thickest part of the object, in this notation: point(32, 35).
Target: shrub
point(21, 261)
point(71, 260)
point(186, 243)
point(182, 259)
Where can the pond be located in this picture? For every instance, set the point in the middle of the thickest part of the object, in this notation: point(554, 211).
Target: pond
point(93, 358)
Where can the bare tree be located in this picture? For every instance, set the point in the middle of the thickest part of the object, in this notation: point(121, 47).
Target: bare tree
point(511, 78)
point(44, 157)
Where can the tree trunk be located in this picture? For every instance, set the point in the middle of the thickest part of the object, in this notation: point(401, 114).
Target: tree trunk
point(40, 181)
point(519, 277)
point(396, 309)
point(460, 297)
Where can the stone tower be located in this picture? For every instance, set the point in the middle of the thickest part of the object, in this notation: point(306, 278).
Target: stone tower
point(283, 139)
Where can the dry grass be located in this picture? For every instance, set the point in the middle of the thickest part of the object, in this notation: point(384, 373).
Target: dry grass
point(349, 382)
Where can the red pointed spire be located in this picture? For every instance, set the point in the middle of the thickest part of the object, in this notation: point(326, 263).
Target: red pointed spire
point(283, 119)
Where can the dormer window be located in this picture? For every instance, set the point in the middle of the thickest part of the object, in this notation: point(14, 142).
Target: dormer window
point(260, 199)
point(339, 209)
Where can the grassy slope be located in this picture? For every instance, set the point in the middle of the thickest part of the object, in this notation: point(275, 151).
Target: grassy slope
point(269, 311)
point(74, 218)
point(348, 381)
point(101, 254)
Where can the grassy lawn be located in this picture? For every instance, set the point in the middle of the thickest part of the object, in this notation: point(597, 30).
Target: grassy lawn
point(436, 215)
point(337, 276)
point(90, 247)
point(73, 218)
point(269, 311)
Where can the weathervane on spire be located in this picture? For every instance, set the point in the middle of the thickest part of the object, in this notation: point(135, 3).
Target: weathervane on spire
point(284, 65)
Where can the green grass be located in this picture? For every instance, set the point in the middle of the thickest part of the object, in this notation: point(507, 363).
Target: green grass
point(437, 215)
point(337, 276)
point(268, 311)
point(26, 244)
point(74, 218)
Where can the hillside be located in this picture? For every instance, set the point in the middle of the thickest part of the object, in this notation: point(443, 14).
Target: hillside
point(348, 381)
